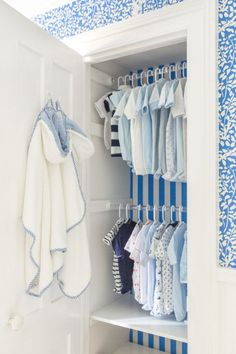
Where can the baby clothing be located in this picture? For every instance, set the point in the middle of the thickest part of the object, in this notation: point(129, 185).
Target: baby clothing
point(125, 263)
point(124, 129)
point(164, 113)
point(170, 135)
point(105, 108)
point(115, 98)
point(147, 143)
point(163, 295)
point(135, 255)
point(183, 262)
point(174, 251)
point(136, 269)
point(132, 113)
point(157, 308)
point(107, 239)
point(149, 266)
point(156, 119)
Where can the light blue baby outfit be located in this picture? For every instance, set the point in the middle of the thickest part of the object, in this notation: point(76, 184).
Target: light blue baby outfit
point(183, 262)
point(143, 267)
point(150, 265)
point(147, 130)
point(156, 119)
point(174, 251)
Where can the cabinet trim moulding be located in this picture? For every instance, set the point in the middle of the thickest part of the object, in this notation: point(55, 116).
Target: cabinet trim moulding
point(98, 41)
point(192, 21)
point(226, 275)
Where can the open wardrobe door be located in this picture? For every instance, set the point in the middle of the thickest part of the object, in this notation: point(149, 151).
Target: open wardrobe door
point(34, 68)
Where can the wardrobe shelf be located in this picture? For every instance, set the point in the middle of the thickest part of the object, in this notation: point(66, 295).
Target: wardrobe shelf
point(131, 348)
point(126, 312)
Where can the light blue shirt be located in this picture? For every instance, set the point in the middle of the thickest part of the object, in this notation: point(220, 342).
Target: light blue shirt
point(183, 262)
point(143, 268)
point(177, 132)
point(147, 130)
point(159, 155)
point(174, 251)
point(150, 264)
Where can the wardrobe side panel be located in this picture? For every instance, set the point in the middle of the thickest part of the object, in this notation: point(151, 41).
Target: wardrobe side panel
point(226, 317)
point(109, 183)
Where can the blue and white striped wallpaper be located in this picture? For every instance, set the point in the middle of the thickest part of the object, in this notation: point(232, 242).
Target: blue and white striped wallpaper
point(160, 343)
point(148, 190)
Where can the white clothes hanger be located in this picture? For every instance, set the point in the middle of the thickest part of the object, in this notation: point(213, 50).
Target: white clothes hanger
point(147, 211)
point(172, 209)
point(154, 213)
point(163, 213)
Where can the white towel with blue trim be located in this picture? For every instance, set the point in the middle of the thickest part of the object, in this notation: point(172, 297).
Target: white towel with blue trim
point(56, 243)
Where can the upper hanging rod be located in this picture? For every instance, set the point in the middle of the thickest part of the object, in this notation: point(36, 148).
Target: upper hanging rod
point(164, 208)
point(152, 207)
point(155, 74)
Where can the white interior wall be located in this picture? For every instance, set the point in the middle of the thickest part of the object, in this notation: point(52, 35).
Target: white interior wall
point(109, 178)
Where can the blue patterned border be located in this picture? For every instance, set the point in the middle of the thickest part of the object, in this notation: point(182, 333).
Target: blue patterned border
point(86, 15)
point(227, 132)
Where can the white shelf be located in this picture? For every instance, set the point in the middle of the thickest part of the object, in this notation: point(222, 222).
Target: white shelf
point(131, 348)
point(126, 312)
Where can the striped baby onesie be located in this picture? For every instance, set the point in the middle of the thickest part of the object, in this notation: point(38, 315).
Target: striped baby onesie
point(114, 100)
point(115, 143)
point(107, 239)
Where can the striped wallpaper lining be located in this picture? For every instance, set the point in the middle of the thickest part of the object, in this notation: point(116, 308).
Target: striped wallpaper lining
point(148, 190)
point(159, 343)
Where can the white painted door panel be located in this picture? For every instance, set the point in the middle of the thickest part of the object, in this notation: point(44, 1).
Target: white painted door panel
point(32, 64)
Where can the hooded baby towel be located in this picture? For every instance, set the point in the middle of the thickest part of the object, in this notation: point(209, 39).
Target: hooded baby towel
point(54, 208)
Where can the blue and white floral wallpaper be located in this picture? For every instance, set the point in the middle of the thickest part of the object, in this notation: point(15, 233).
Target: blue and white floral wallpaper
point(227, 131)
point(83, 15)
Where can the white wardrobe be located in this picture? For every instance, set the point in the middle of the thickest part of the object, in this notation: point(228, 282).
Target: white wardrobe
point(33, 65)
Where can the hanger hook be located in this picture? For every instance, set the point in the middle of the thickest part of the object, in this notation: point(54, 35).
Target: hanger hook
point(156, 73)
point(171, 69)
point(139, 211)
point(132, 78)
point(154, 213)
point(163, 214)
point(176, 70)
point(172, 209)
point(127, 78)
point(127, 211)
point(120, 79)
point(180, 213)
point(149, 73)
point(183, 68)
point(147, 211)
point(163, 69)
point(142, 75)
